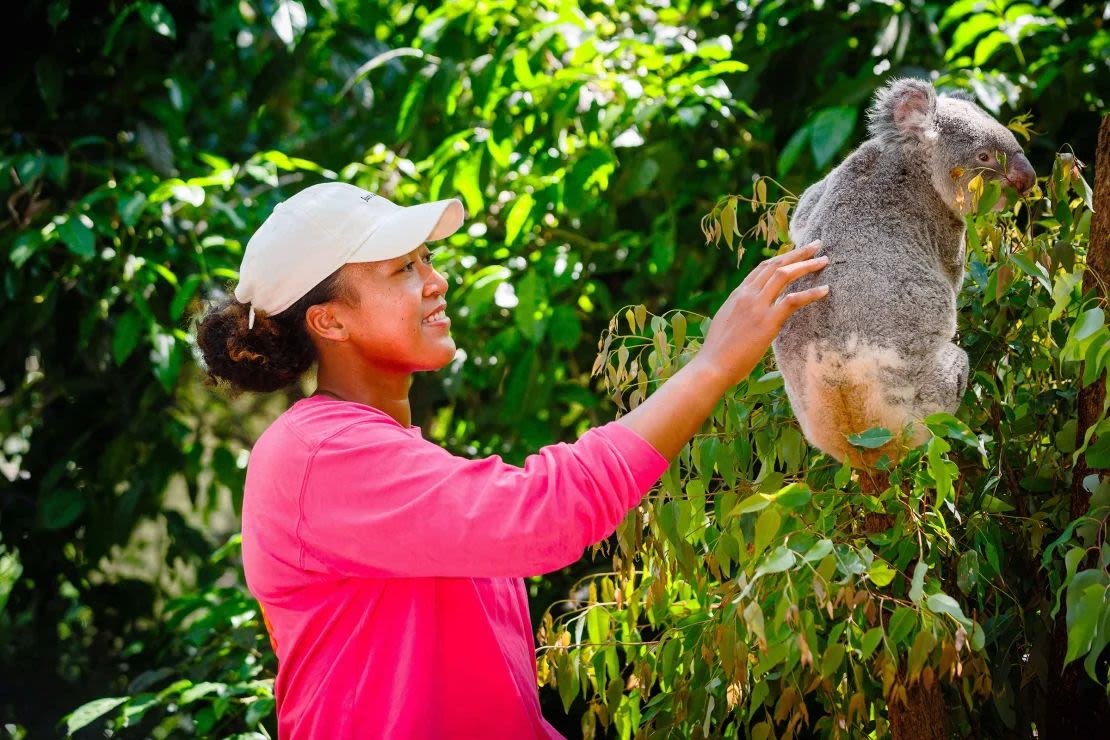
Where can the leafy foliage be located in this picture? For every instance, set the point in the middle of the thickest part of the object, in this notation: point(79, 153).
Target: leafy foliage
point(144, 141)
point(749, 596)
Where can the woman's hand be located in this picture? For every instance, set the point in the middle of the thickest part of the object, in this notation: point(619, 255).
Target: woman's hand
point(739, 335)
point(752, 315)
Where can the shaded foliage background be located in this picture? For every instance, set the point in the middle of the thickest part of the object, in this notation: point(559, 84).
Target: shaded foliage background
point(143, 142)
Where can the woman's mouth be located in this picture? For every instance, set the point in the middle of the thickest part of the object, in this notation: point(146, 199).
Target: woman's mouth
point(436, 319)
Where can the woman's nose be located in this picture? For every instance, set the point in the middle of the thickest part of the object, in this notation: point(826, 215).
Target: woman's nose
point(438, 283)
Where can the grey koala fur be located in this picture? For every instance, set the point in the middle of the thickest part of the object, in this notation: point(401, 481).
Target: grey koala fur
point(877, 351)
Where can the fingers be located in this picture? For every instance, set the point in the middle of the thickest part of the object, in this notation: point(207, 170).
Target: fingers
point(782, 276)
point(791, 302)
point(763, 271)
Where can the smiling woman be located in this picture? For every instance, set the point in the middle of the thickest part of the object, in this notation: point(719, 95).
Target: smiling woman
point(389, 570)
point(328, 248)
point(395, 326)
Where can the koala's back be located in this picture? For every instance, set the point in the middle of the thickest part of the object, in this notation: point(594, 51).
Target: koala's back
point(887, 238)
point(848, 361)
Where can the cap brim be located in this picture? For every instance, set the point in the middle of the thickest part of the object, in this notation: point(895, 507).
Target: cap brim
point(410, 227)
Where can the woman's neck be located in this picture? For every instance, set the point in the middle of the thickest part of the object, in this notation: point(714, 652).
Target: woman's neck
point(385, 391)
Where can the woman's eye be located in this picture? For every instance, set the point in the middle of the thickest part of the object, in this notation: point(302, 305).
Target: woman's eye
point(409, 265)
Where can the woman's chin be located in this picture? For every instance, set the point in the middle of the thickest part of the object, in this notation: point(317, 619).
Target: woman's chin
point(444, 355)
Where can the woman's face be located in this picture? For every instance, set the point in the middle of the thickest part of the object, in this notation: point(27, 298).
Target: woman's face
point(398, 322)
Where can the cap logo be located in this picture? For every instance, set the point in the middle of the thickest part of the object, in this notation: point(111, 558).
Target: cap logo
point(368, 197)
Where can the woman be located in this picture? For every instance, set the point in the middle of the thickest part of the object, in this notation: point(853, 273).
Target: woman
point(390, 571)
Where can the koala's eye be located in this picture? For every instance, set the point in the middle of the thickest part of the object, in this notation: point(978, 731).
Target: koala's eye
point(984, 157)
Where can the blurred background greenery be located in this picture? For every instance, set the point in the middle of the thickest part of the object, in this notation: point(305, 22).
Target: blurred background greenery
point(142, 143)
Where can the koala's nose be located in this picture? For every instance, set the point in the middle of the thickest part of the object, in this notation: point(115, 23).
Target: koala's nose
point(1020, 173)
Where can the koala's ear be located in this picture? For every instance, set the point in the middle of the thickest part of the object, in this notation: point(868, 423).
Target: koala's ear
point(904, 110)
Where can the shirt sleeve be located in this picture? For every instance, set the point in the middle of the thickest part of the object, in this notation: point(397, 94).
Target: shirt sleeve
point(378, 502)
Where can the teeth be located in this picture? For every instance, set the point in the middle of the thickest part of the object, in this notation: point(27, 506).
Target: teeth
point(437, 316)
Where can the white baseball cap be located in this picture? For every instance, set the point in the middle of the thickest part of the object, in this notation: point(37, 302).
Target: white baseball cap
point(323, 227)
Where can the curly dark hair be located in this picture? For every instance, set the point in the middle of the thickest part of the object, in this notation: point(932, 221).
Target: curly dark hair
point(276, 352)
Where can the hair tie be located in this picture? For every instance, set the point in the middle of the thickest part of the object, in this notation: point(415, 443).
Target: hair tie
point(250, 318)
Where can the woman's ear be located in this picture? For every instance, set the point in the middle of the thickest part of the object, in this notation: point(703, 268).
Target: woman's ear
point(322, 322)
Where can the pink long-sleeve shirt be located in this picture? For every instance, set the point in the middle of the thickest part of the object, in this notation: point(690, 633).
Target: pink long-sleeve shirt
point(390, 571)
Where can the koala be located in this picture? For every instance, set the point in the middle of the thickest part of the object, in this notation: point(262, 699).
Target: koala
point(878, 350)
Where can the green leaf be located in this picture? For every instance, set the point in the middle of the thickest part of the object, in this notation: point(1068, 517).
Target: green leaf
point(780, 559)
point(988, 45)
point(880, 572)
point(940, 469)
point(60, 507)
point(165, 358)
point(707, 451)
point(940, 603)
point(1087, 324)
point(766, 527)
point(528, 313)
point(870, 439)
point(132, 208)
point(978, 637)
point(1072, 558)
point(755, 502)
point(947, 425)
point(49, 75)
point(917, 584)
point(789, 154)
point(566, 675)
point(967, 572)
point(1034, 270)
point(922, 646)
point(126, 336)
point(994, 505)
point(258, 710)
point(1088, 194)
point(76, 232)
point(1083, 616)
point(200, 690)
point(831, 660)
point(184, 295)
point(1099, 642)
point(1097, 454)
point(820, 549)
point(158, 18)
point(136, 707)
point(793, 496)
point(87, 713)
point(900, 624)
point(597, 624)
point(563, 327)
point(678, 331)
point(971, 29)
point(830, 131)
point(870, 641)
point(765, 383)
point(467, 181)
point(518, 215)
point(644, 174)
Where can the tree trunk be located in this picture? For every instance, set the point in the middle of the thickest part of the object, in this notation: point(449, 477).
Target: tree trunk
point(1095, 279)
point(923, 716)
point(1077, 705)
